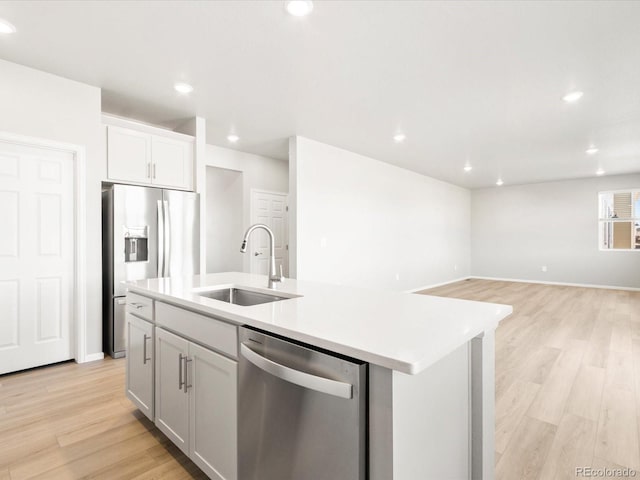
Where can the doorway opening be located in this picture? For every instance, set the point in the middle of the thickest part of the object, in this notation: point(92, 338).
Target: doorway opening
point(224, 222)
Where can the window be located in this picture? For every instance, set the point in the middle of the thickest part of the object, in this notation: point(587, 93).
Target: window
point(619, 220)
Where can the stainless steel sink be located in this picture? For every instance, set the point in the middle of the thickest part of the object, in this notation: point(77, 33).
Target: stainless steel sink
point(239, 296)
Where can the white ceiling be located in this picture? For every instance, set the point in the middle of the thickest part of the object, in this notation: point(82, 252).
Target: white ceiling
point(465, 81)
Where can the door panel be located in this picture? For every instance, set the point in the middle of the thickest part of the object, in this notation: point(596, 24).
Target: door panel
point(172, 402)
point(36, 256)
point(119, 334)
point(48, 320)
point(140, 364)
point(135, 218)
point(170, 162)
point(183, 227)
point(10, 200)
point(213, 413)
point(129, 154)
point(9, 308)
point(270, 209)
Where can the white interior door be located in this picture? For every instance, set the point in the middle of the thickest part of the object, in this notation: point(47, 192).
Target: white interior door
point(36, 256)
point(269, 208)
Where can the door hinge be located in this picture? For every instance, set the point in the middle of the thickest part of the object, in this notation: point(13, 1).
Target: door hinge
point(287, 208)
point(287, 247)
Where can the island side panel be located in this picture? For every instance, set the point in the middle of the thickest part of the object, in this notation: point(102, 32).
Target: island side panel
point(431, 420)
point(483, 406)
point(380, 423)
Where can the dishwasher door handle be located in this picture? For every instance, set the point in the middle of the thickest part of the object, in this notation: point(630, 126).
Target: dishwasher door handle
point(306, 380)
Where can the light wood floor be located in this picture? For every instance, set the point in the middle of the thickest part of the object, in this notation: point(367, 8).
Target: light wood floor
point(72, 421)
point(567, 396)
point(567, 378)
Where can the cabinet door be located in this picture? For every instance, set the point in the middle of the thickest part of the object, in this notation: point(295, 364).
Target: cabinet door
point(172, 162)
point(128, 155)
point(140, 364)
point(172, 399)
point(213, 395)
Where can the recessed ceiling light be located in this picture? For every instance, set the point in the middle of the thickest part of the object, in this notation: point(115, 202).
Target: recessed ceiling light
point(299, 8)
point(183, 88)
point(468, 168)
point(6, 27)
point(499, 182)
point(600, 172)
point(591, 150)
point(233, 138)
point(573, 96)
point(399, 137)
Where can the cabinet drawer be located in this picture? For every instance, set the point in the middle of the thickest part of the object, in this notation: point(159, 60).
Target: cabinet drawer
point(212, 333)
point(140, 306)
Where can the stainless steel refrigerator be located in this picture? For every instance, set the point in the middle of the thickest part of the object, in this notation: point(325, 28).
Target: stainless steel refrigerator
point(146, 233)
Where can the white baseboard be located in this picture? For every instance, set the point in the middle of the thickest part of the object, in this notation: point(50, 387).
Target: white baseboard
point(566, 284)
point(434, 285)
point(92, 357)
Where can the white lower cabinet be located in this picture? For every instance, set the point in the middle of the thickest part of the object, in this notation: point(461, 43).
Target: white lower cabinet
point(196, 403)
point(140, 371)
point(213, 404)
point(172, 401)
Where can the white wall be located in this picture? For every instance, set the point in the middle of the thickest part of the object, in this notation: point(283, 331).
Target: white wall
point(258, 172)
point(516, 230)
point(42, 105)
point(367, 223)
point(224, 222)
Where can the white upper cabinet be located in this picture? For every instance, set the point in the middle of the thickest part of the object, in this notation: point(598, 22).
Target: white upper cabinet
point(129, 155)
point(172, 162)
point(149, 156)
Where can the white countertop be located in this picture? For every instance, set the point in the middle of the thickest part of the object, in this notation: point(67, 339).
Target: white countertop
point(400, 331)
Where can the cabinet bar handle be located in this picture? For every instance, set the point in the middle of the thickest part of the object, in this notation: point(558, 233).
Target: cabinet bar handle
point(144, 349)
point(187, 361)
point(154, 170)
point(180, 371)
point(149, 169)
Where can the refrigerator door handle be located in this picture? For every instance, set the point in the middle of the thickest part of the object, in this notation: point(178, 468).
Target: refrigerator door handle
point(160, 238)
point(167, 238)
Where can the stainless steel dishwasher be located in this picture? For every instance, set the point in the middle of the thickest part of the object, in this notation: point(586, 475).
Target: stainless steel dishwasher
point(302, 412)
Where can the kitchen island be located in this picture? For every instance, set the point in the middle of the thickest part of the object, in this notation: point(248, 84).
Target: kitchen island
point(430, 374)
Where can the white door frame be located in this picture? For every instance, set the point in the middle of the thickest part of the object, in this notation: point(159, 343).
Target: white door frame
point(79, 322)
point(286, 222)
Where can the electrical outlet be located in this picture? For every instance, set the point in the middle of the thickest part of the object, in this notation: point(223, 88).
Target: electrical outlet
point(544, 268)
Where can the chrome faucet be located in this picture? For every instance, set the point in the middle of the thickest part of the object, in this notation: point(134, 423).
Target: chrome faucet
point(273, 276)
